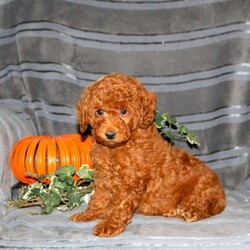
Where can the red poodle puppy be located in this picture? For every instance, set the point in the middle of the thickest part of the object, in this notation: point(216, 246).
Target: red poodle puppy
point(136, 170)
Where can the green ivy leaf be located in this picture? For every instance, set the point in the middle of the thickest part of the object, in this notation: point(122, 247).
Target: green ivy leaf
point(158, 120)
point(65, 171)
point(56, 199)
point(183, 130)
point(65, 174)
point(32, 191)
point(69, 180)
point(51, 200)
point(48, 209)
point(74, 200)
point(56, 184)
point(192, 138)
point(170, 119)
point(85, 173)
point(168, 135)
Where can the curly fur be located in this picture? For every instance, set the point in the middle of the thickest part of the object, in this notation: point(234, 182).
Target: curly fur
point(137, 170)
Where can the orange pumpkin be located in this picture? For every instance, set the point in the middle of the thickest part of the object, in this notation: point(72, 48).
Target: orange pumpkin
point(44, 154)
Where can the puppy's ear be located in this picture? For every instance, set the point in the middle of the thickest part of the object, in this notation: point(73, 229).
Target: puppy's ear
point(81, 109)
point(148, 101)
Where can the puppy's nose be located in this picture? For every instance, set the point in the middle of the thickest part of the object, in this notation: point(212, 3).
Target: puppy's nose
point(110, 135)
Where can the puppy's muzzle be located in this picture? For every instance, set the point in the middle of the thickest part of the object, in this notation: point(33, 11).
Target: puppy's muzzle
point(110, 135)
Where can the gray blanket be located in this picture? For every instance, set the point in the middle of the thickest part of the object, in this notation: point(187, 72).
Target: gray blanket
point(229, 230)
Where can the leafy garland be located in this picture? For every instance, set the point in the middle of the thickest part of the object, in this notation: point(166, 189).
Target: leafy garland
point(64, 193)
point(167, 123)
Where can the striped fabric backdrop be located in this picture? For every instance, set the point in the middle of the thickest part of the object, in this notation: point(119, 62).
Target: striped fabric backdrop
point(195, 54)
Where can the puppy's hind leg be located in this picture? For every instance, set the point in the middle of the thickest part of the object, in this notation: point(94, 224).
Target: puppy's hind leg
point(203, 205)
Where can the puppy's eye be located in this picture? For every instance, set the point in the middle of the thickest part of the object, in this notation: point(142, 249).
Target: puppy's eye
point(99, 112)
point(123, 111)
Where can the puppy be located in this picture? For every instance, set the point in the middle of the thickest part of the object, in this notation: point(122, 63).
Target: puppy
point(136, 170)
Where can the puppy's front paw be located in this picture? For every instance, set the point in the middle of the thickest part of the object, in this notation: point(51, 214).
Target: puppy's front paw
point(104, 229)
point(81, 217)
